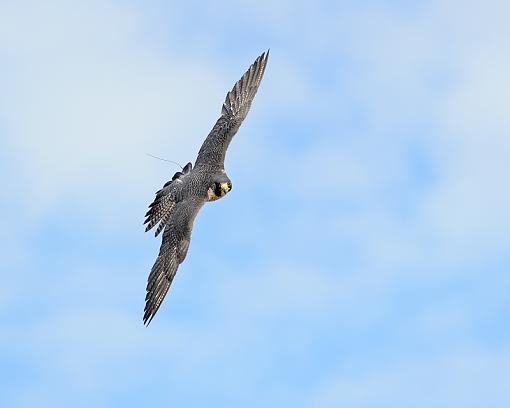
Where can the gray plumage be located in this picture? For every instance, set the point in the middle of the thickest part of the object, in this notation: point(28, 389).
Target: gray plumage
point(176, 205)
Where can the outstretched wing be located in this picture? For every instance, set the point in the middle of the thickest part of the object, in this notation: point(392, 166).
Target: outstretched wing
point(235, 108)
point(176, 239)
point(163, 206)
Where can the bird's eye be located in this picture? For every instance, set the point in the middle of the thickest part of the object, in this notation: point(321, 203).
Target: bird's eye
point(217, 189)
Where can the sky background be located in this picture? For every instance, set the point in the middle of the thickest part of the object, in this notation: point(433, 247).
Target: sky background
point(362, 258)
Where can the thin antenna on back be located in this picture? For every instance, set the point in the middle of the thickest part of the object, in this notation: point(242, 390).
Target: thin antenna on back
point(170, 161)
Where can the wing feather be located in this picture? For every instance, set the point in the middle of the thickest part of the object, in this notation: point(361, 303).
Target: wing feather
point(234, 110)
point(161, 277)
point(173, 250)
point(163, 206)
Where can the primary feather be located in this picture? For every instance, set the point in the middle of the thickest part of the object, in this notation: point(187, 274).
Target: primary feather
point(234, 110)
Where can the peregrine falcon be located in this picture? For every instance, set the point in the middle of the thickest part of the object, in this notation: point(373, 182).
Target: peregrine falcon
point(177, 204)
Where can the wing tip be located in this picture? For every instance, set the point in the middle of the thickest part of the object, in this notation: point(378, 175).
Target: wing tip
point(149, 310)
point(235, 98)
point(265, 56)
point(147, 319)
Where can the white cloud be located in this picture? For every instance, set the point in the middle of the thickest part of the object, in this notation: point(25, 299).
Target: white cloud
point(433, 77)
point(471, 203)
point(461, 378)
point(86, 97)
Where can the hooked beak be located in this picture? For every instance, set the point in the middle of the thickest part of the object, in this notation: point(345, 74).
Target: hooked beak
point(225, 188)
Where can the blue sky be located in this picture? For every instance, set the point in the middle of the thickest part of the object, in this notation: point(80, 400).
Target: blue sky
point(363, 256)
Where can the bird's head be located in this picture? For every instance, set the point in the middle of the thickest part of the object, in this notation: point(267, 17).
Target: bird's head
point(219, 188)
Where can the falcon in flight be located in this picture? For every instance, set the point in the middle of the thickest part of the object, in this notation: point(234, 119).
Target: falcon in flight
point(177, 204)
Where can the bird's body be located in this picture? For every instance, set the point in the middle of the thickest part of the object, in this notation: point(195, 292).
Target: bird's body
point(177, 204)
